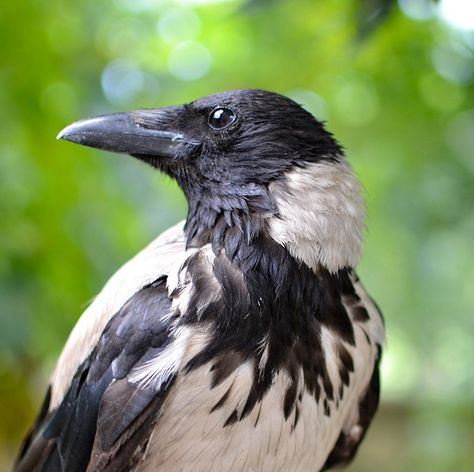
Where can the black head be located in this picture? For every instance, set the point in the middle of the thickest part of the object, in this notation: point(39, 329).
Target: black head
point(223, 150)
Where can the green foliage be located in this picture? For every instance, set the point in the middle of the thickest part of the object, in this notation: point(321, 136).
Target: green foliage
point(396, 91)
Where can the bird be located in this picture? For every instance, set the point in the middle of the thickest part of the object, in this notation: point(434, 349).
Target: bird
point(240, 339)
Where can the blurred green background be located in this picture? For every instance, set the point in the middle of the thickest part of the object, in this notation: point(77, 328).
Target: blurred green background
point(394, 80)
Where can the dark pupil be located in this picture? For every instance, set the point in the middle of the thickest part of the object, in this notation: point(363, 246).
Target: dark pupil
point(221, 118)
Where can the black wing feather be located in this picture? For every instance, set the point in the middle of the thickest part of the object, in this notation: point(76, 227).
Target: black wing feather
point(103, 420)
point(346, 446)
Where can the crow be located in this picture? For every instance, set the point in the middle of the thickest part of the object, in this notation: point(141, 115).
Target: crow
point(241, 339)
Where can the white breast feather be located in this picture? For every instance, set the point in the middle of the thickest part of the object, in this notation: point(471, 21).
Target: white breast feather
point(191, 438)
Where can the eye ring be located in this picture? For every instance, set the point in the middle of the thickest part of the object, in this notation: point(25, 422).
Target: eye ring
point(221, 118)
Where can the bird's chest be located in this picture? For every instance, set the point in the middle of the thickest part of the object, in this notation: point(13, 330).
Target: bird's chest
point(312, 359)
point(195, 433)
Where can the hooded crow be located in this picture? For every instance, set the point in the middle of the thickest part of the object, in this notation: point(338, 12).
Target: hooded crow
point(239, 340)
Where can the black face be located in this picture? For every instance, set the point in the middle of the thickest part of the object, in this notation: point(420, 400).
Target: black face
point(249, 137)
point(223, 149)
point(241, 137)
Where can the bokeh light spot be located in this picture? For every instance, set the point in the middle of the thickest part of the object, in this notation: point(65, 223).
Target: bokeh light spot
point(202, 2)
point(178, 24)
point(122, 81)
point(400, 365)
point(419, 10)
point(138, 6)
point(437, 257)
point(454, 62)
point(468, 39)
point(189, 60)
point(356, 102)
point(453, 344)
point(458, 13)
point(311, 102)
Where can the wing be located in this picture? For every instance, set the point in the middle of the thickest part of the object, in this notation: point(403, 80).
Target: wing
point(105, 418)
point(364, 312)
point(76, 373)
point(351, 437)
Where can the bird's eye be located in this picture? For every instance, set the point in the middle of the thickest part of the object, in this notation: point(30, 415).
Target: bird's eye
point(221, 118)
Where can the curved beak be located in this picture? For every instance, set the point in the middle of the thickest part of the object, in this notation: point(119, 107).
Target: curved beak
point(139, 133)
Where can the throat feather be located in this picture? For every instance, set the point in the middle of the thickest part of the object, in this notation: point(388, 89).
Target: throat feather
point(270, 311)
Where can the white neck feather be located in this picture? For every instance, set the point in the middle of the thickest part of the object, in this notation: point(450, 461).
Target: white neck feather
point(321, 215)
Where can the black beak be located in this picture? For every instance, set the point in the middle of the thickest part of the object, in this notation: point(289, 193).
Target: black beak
point(139, 133)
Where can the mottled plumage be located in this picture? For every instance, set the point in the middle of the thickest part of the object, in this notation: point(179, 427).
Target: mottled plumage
point(240, 340)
